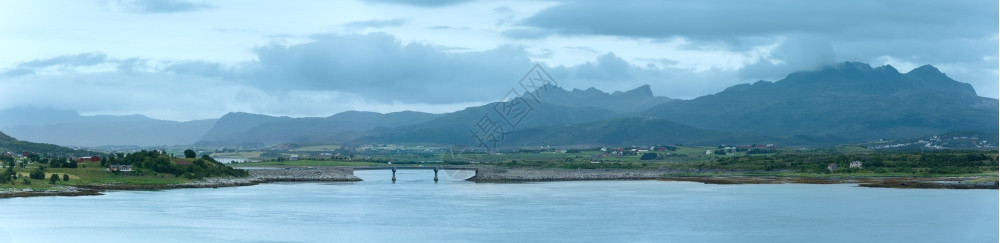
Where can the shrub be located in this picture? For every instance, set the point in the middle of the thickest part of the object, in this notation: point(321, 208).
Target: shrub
point(38, 173)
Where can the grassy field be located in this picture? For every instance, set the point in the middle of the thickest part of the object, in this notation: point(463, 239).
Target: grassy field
point(307, 163)
point(985, 177)
point(90, 173)
point(250, 155)
point(787, 162)
point(682, 154)
point(318, 148)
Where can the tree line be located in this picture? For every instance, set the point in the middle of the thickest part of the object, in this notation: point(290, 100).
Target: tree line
point(158, 162)
point(935, 162)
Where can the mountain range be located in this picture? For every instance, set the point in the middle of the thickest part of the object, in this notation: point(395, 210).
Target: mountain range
point(69, 128)
point(848, 102)
point(253, 129)
point(841, 103)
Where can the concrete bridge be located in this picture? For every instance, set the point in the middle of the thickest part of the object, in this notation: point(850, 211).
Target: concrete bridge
point(395, 168)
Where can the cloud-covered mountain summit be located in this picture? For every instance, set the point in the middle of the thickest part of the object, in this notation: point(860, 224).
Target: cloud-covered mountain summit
point(849, 101)
point(844, 103)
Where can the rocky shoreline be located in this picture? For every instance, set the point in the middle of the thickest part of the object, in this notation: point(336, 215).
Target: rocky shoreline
point(257, 176)
point(880, 182)
point(60, 191)
point(494, 175)
point(932, 183)
point(515, 175)
point(281, 174)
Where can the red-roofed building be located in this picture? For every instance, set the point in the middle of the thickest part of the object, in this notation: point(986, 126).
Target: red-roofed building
point(94, 158)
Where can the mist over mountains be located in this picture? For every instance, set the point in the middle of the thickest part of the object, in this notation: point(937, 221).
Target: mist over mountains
point(253, 129)
point(634, 100)
point(844, 103)
point(68, 128)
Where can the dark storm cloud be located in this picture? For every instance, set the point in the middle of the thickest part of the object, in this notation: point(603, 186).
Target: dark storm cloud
point(610, 72)
point(728, 19)
point(937, 31)
point(795, 54)
point(960, 34)
point(376, 23)
point(608, 67)
point(375, 66)
point(422, 3)
point(163, 6)
point(380, 67)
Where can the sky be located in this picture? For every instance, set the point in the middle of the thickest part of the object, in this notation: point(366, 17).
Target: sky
point(184, 59)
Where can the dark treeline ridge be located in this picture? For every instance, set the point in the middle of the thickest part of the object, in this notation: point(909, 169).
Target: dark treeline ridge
point(929, 163)
point(10, 144)
point(155, 161)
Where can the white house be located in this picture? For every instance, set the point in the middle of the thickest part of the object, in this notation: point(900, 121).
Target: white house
point(121, 168)
point(855, 164)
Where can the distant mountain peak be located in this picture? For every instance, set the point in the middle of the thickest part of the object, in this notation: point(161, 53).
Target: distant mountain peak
point(240, 114)
point(851, 66)
point(888, 69)
point(927, 68)
point(590, 91)
point(859, 77)
point(844, 101)
point(633, 100)
point(926, 71)
point(641, 91)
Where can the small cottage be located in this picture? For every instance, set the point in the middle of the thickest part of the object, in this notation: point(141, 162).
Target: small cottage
point(94, 158)
point(855, 164)
point(119, 168)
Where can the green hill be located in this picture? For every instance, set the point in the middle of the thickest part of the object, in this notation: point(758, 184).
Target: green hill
point(624, 131)
point(11, 144)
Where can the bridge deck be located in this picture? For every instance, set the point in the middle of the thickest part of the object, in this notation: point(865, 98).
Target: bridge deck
point(414, 168)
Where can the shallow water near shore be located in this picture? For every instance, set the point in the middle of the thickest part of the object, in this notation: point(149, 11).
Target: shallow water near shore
point(415, 208)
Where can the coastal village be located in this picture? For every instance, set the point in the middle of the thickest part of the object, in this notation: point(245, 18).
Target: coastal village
point(181, 164)
point(935, 142)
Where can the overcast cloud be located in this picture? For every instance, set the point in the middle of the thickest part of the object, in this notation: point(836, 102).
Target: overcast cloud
point(159, 6)
point(183, 60)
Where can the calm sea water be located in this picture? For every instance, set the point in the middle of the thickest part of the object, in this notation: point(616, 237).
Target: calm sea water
point(417, 209)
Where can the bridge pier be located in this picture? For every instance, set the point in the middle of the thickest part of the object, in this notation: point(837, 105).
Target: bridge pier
point(436, 170)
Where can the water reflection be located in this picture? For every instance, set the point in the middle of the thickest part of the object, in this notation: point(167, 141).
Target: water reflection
point(418, 176)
